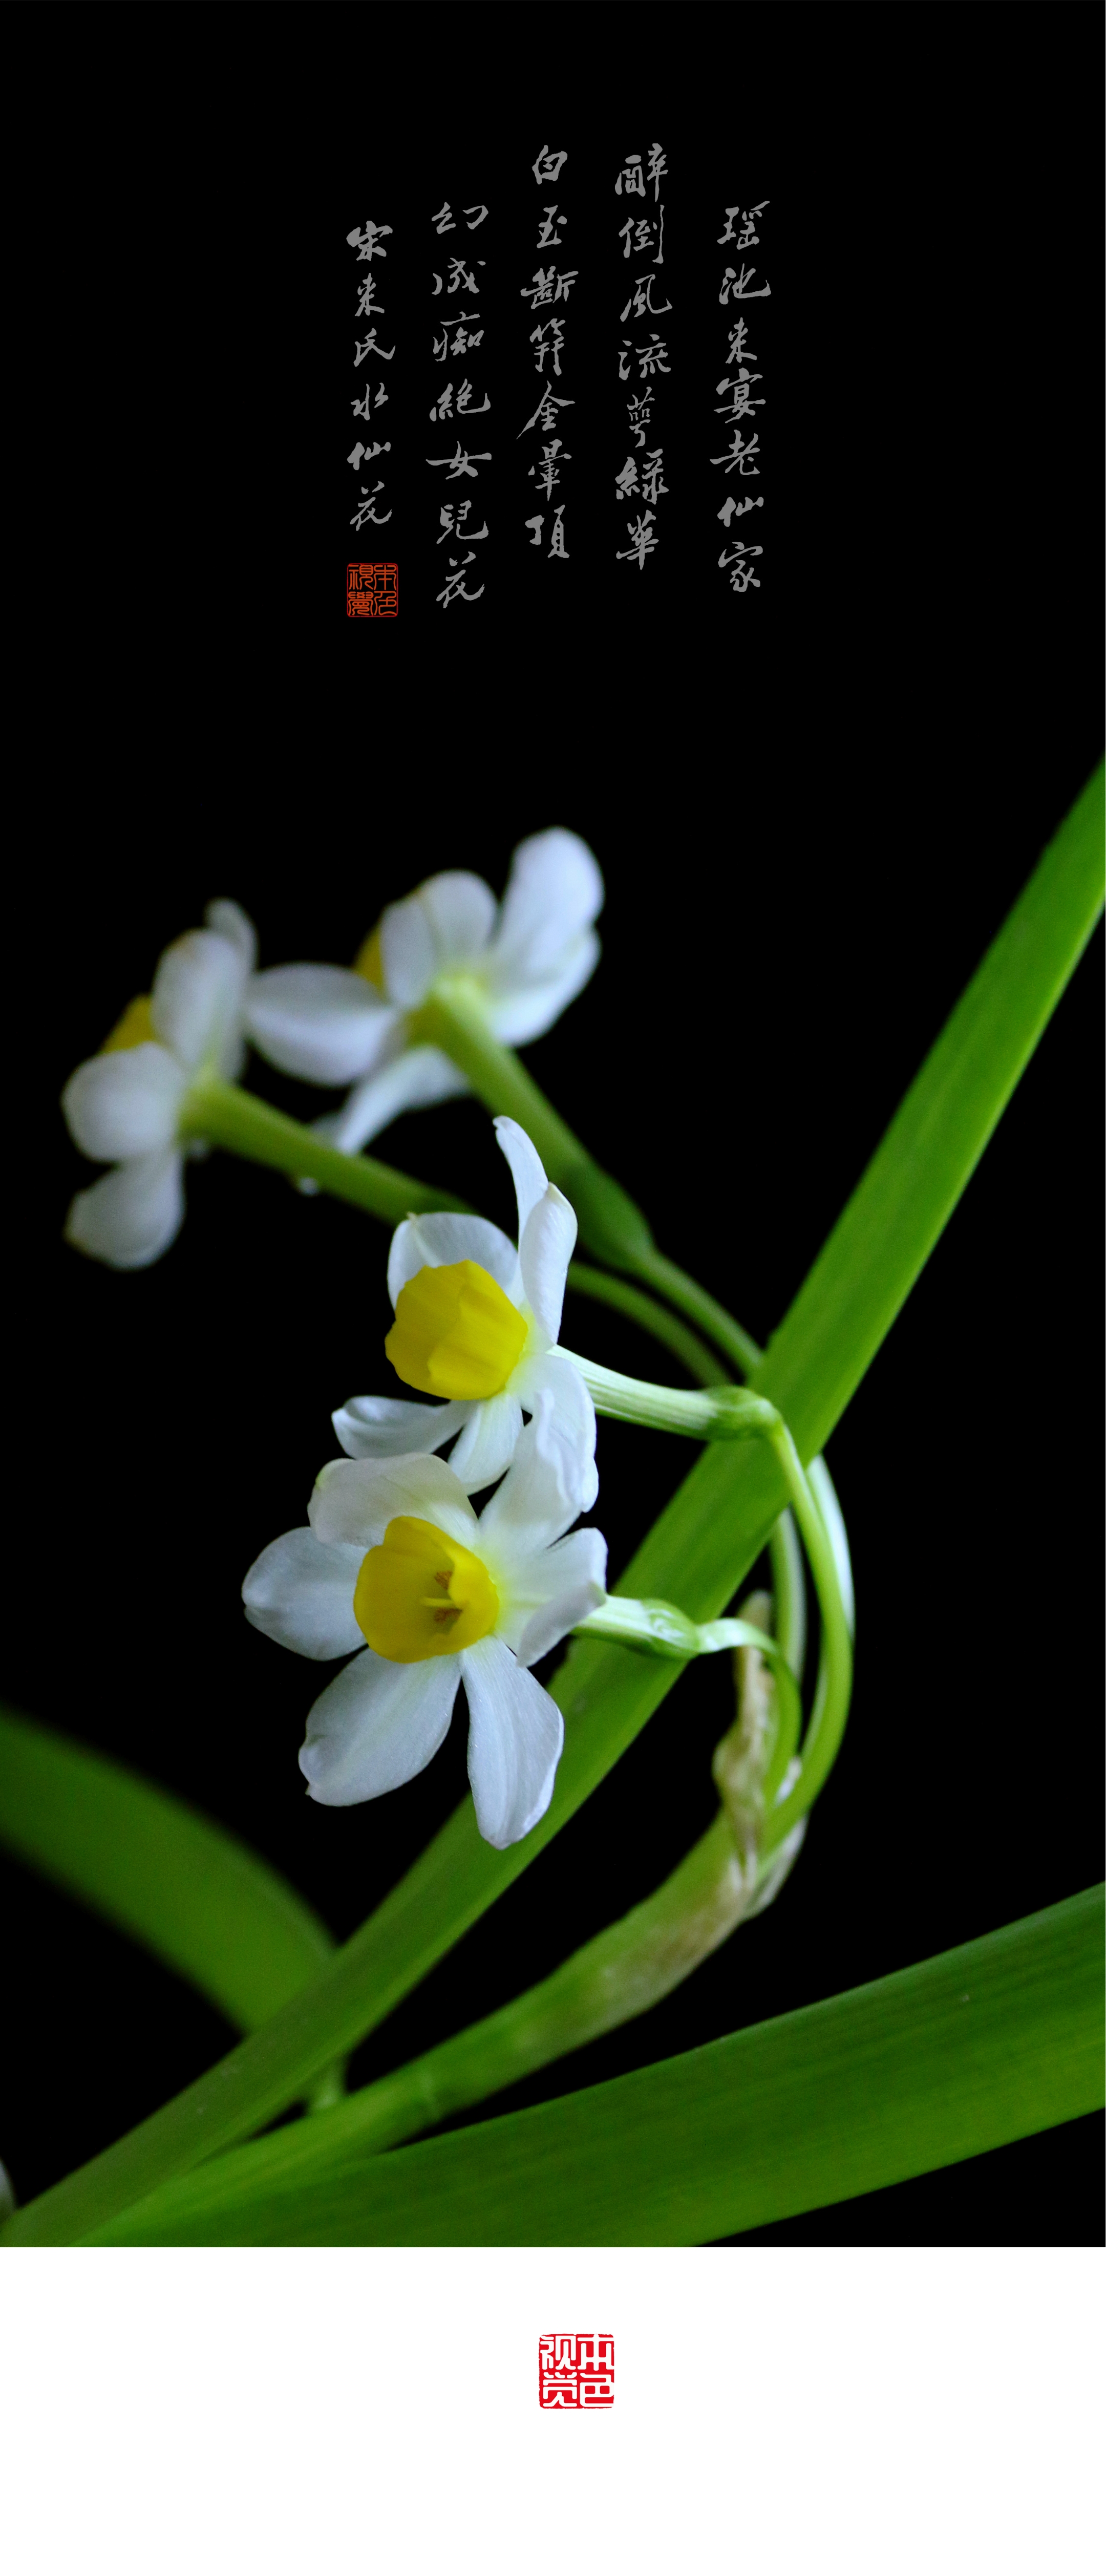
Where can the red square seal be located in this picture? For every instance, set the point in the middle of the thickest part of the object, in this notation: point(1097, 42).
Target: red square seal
point(576, 2370)
point(372, 590)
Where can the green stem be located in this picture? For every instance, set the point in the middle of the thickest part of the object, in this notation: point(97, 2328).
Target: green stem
point(709, 1413)
point(242, 1124)
point(831, 1698)
point(727, 1413)
point(825, 1495)
point(944, 2060)
point(658, 1628)
point(627, 1968)
point(789, 1591)
point(697, 1302)
point(756, 1751)
point(606, 1290)
point(788, 1588)
point(661, 1629)
point(609, 1222)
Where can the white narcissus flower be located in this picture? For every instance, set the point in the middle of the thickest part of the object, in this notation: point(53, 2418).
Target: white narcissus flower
point(525, 959)
point(477, 1322)
point(124, 1106)
point(397, 1564)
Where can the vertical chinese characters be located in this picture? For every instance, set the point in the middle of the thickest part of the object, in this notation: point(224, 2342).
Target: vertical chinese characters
point(458, 329)
point(643, 353)
point(367, 241)
point(738, 405)
point(548, 291)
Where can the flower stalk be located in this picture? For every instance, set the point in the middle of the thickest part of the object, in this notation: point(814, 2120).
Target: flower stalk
point(453, 1018)
point(220, 1113)
point(708, 1413)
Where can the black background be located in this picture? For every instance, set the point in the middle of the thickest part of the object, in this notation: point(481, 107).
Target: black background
point(812, 805)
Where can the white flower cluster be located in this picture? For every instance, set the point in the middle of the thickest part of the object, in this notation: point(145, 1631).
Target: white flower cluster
point(396, 1569)
point(524, 959)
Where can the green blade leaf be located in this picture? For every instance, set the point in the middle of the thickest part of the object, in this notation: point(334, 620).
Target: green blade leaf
point(698, 1551)
point(183, 1886)
point(985, 2043)
point(850, 1299)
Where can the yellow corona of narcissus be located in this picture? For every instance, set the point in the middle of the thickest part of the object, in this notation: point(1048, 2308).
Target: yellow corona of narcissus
point(455, 1332)
point(477, 1320)
point(420, 1593)
point(522, 960)
point(397, 1572)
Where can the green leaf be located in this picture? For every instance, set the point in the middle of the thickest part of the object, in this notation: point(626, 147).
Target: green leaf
point(698, 1551)
point(184, 1887)
point(985, 2043)
point(850, 1298)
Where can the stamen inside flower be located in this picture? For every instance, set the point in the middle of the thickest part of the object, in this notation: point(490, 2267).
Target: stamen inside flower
point(369, 960)
point(455, 1332)
point(136, 1028)
point(422, 1594)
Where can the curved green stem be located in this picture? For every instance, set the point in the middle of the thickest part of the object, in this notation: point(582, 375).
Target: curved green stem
point(659, 1628)
point(610, 1223)
point(223, 1115)
point(834, 1687)
point(825, 1495)
point(788, 1592)
point(608, 1290)
point(697, 1302)
point(453, 1018)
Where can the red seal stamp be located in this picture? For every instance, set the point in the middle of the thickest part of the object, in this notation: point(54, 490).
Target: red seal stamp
point(372, 590)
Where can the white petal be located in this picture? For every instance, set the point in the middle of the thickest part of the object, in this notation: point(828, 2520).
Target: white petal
point(355, 1498)
point(232, 923)
point(196, 1003)
point(554, 1592)
point(552, 1373)
point(443, 926)
point(461, 911)
point(301, 1594)
point(515, 1737)
point(519, 1012)
point(413, 1080)
point(321, 1023)
point(125, 1103)
point(132, 1215)
point(488, 1442)
point(527, 1169)
point(544, 1253)
point(429, 1242)
point(381, 1426)
point(376, 1725)
point(554, 892)
point(540, 1493)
